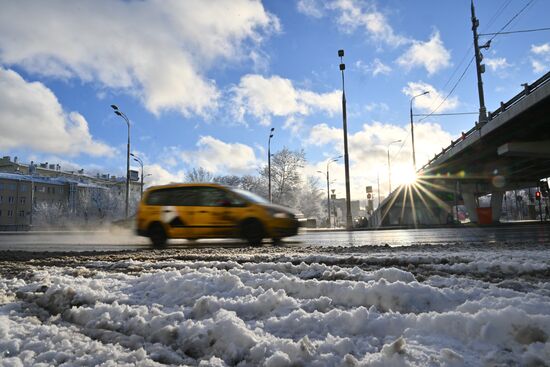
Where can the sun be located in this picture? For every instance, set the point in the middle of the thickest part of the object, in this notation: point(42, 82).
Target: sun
point(407, 177)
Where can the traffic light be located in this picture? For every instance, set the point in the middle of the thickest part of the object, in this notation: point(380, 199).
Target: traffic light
point(537, 195)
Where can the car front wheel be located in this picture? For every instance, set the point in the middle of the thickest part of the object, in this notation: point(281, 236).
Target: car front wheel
point(157, 235)
point(253, 232)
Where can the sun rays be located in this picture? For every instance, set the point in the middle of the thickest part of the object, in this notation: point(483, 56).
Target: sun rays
point(421, 196)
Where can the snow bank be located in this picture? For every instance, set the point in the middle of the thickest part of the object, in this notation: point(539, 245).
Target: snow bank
point(463, 309)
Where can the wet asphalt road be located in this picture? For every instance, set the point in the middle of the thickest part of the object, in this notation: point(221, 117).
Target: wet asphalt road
point(125, 240)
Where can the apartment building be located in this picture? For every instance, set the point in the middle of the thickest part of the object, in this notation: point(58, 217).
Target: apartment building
point(42, 194)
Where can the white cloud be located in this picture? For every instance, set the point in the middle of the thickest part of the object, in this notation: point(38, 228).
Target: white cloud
point(31, 117)
point(368, 150)
point(496, 64)
point(541, 59)
point(353, 15)
point(322, 134)
point(432, 55)
point(429, 101)
point(264, 97)
point(375, 68)
point(311, 8)
point(541, 49)
point(158, 51)
point(161, 176)
point(220, 157)
point(374, 106)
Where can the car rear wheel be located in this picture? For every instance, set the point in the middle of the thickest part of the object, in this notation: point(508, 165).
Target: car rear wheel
point(253, 232)
point(157, 235)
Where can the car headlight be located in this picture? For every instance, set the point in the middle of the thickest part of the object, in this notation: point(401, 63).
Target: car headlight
point(277, 213)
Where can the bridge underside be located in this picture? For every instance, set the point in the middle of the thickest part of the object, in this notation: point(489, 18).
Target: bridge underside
point(511, 151)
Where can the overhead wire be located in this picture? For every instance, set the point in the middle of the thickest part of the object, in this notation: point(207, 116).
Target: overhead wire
point(495, 16)
point(512, 19)
point(518, 31)
point(472, 59)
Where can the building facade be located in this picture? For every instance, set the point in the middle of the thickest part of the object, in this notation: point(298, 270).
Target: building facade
point(44, 195)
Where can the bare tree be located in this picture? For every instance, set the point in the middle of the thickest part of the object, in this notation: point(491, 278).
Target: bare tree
point(49, 214)
point(286, 176)
point(228, 180)
point(309, 198)
point(199, 175)
point(255, 184)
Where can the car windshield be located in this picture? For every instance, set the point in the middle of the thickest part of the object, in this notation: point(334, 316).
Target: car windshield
point(250, 196)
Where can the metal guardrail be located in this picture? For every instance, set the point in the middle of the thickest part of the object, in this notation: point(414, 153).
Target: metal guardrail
point(527, 89)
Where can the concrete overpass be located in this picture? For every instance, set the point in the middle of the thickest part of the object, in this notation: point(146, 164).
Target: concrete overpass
point(510, 151)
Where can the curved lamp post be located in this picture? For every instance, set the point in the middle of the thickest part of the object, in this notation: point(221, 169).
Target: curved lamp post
point(121, 114)
point(137, 159)
point(335, 159)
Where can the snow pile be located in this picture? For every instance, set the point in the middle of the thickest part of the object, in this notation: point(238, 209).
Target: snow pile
point(442, 309)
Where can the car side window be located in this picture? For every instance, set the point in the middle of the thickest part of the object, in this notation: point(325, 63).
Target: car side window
point(157, 197)
point(211, 196)
point(236, 200)
point(191, 197)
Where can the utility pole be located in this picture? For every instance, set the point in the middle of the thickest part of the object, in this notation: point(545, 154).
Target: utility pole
point(349, 221)
point(378, 179)
point(480, 68)
point(269, 163)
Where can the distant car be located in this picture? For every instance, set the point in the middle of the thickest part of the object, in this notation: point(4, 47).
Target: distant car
point(194, 211)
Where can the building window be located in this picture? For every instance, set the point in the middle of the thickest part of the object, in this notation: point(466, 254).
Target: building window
point(22, 188)
point(10, 199)
point(10, 213)
point(60, 190)
point(0, 213)
point(1, 186)
point(21, 213)
point(1, 199)
point(48, 190)
point(22, 200)
point(11, 186)
point(53, 190)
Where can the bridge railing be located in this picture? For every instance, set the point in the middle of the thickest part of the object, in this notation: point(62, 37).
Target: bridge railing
point(527, 89)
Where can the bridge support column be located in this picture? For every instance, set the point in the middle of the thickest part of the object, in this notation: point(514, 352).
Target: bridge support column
point(496, 205)
point(471, 205)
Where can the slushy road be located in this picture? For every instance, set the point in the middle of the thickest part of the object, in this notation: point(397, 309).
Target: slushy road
point(125, 240)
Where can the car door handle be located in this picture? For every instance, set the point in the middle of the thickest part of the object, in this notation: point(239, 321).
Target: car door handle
point(203, 211)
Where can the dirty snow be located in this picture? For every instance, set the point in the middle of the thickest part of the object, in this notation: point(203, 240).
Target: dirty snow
point(455, 305)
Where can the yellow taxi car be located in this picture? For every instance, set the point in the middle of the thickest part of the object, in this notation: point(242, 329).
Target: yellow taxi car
point(208, 210)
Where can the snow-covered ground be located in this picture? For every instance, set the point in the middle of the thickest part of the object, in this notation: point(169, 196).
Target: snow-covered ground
point(455, 305)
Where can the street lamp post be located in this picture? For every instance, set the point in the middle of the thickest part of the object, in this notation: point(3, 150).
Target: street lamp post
point(412, 127)
point(389, 163)
point(137, 159)
point(121, 114)
point(335, 159)
point(269, 162)
point(346, 156)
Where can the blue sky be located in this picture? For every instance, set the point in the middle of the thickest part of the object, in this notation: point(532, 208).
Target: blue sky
point(203, 82)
